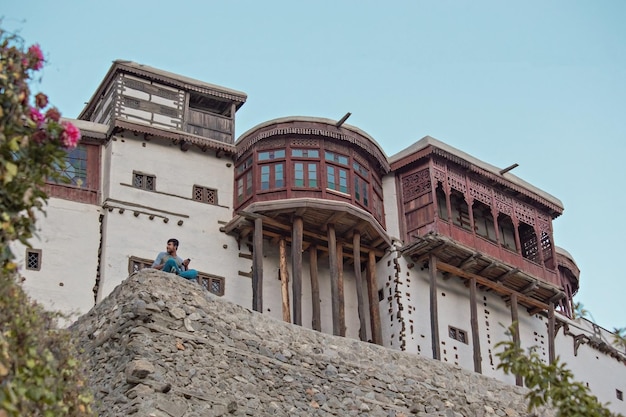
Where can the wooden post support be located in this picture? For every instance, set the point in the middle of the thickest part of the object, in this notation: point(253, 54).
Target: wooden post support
point(372, 292)
point(474, 325)
point(334, 278)
point(342, 307)
point(434, 314)
point(551, 333)
point(356, 252)
point(284, 278)
point(516, 337)
point(315, 290)
point(257, 266)
point(296, 266)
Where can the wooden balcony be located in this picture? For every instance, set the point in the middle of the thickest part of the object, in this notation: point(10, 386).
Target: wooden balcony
point(209, 125)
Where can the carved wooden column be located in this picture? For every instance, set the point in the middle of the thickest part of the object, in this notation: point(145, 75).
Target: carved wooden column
point(516, 336)
point(356, 252)
point(434, 314)
point(315, 290)
point(334, 278)
point(518, 242)
point(257, 266)
point(372, 291)
point(474, 324)
point(284, 278)
point(342, 307)
point(296, 266)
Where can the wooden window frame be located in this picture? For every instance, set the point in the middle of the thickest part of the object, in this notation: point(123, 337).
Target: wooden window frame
point(136, 264)
point(144, 181)
point(458, 334)
point(27, 260)
point(272, 176)
point(337, 170)
point(306, 174)
point(204, 195)
point(206, 280)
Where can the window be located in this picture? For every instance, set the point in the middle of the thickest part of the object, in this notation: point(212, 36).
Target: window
point(360, 190)
point(507, 232)
point(204, 194)
point(483, 221)
point(136, 264)
point(212, 283)
point(457, 334)
point(75, 170)
point(272, 176)
point(460, 210)
point(243, 180)
point(305, 174)
point(144, 181)
point(337, 178)
point(360, 169)
point(442, 205)
point(619, 394)
point(528, 240)
point(335, 157)
point(33, 259)
point(305, 153)
point(270, 155)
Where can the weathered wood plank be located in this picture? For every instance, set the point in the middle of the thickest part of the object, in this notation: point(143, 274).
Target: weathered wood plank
point(315, 290)
point(356, 247)
point(516, 336)
point(434, 312)
point(474, 325)
point(296, 266)
point(284, 279)
point(334, 278)
point(372, 291)
point(257, 266)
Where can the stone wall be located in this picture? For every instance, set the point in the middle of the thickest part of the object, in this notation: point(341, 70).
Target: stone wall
point(161, 346)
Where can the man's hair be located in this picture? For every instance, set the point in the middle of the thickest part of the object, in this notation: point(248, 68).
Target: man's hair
point(174, 241)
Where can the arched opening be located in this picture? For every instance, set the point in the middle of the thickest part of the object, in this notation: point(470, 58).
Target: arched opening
point(483, 221)
point(442, 204)
point(507, 232)
point(460, 210)
point(528, 241)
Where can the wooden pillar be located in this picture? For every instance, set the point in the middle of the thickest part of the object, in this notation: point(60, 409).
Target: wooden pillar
point(315, 290)
point(474, 325)
point(284, 279)
point(356, 252)
point(516, 337)
point(342, 307)
point(296, 272)
point(551, 333)
point(518, 242)
point(434, 314)
point(257, 266)
point(233, 109)
point(372, 291)
point(334, 278)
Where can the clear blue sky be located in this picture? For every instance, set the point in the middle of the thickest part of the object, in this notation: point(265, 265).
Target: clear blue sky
point(539, 83)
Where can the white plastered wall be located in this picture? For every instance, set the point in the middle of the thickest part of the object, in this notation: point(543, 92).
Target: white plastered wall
point(129, 229)
point(68, 237)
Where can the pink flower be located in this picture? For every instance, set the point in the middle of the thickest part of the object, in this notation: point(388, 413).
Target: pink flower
point(36, 116)
point(36, 56)
point(70, 135)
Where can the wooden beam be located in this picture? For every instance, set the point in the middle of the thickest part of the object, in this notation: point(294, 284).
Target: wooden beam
point(516, 336)
point(528, 288)
point(507, 274)
point(474, 326)
point(372, 291)
point(333, 219)
point(334, 278)
point(296, 269)
point(496, 286)
point(356, 247)
point(284, 279)
point(342, 307)
point(257, 266)
point(315, 290)
point(469, 260)
point(434, 315)
point(551, 334)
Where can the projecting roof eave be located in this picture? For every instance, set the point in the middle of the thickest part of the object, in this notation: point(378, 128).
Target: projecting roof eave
point(165, 77)
point(90, 129)
point(175, 135)
point(429, 145)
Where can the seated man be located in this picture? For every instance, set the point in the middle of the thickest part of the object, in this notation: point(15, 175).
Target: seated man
point(169, 261)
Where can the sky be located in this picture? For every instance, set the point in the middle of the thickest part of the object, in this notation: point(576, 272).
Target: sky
point(538, 83)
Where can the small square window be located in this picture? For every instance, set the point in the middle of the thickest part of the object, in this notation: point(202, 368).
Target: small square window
point(33, 259)
point(205, 194)
point(212, 283)
point(457, 334)
point(619, 394)
point(144, 181)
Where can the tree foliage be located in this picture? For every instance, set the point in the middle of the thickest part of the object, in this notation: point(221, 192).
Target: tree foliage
point(550, 385)
point(38, 373)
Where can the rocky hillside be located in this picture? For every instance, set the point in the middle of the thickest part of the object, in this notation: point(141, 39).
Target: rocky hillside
point(161, 346)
